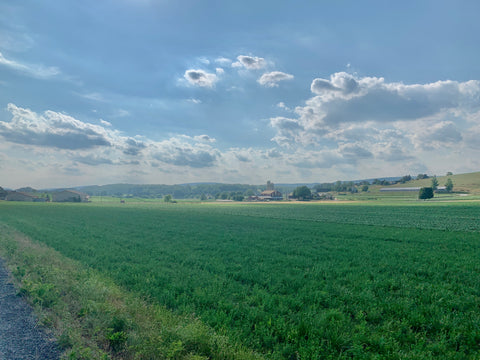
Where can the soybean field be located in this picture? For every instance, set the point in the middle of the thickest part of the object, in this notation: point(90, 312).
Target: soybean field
point(289, 281)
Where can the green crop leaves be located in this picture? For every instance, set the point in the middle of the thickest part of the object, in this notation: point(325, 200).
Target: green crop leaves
point(288, 281)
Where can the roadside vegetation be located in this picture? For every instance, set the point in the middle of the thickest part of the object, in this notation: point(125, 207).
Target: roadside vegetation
point(93, 318)
point(288, 281)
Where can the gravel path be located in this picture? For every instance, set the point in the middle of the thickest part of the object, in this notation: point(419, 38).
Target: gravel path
point(20, 337)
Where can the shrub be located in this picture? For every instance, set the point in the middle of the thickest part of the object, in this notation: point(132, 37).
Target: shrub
point(425, 193)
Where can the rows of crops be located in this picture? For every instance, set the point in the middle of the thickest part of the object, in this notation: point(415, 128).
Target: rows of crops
point(290, 281)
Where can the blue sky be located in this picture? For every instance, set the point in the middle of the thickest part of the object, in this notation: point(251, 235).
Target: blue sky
point(152, 91)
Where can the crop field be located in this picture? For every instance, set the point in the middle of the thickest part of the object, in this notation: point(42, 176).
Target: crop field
point(289, 281)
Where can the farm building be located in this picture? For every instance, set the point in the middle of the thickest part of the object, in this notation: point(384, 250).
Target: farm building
point(270, 195)
point(21, 196)
point(69, 196)
point(396, 189)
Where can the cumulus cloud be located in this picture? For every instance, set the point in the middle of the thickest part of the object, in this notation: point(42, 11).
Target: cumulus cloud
point(94, 145)
point(243, 155)
point(287, 129)
point(204, 138)
point(273, 153)
point(282, 123)
point(272, 79)
point(36, 71)
point(200, 78)
point(437, 135)
point(354, 152)
point(133, 147)
point(178, 152)
point(250, 62)
point(52, 129)
point(392, 152)
point(369, 110)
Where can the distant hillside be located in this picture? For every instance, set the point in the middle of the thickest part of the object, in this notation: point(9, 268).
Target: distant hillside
point(183, 191)
point(462, 182)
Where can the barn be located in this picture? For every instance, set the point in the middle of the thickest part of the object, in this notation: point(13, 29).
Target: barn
point(21, 196)
point(69, 196)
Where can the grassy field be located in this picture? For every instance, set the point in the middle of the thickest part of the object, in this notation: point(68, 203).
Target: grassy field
point(287, 281)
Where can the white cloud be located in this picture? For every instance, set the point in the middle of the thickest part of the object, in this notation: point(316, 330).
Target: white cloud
point(250, 62)
point(223, 61)
point(204, 60)
point(92, 145)
point(204, 138)
point(200, 78)
point(52, 130)
point(195, 101)
point(179, 152)
point(437, 135)
point(105, 123)
point(36, 71)
point(272, 79)
point(346, 102)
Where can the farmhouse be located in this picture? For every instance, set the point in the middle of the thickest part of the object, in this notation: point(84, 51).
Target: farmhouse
point(69, 196)
point(268, 195)
point(21, 196)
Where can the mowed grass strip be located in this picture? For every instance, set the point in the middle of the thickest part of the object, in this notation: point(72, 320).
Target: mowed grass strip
point(285, 285)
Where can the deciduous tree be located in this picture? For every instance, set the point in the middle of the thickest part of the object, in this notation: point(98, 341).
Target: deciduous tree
point(425, 193)
point(449, 185)
point(302, 193)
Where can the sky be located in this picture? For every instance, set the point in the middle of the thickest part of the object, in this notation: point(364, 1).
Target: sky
point(170, 92)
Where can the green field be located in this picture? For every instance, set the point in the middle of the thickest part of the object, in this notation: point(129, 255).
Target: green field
point(289, 281)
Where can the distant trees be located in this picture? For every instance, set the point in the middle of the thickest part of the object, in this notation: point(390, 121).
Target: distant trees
point(167, 198)
point(381, 182)
point(302, 193)
point(434, 182)
point(422, 176)
point(425, 193)
point(203, 197)
point(3, 193)
point(249, 192)
point(233, 195)
point(323, 187)
point(365, 188)
point(449, 173)
point(449, 185)
point(236, 196)
point(405, 178)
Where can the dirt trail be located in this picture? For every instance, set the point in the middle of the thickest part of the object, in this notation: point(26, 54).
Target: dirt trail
point(20, 337)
